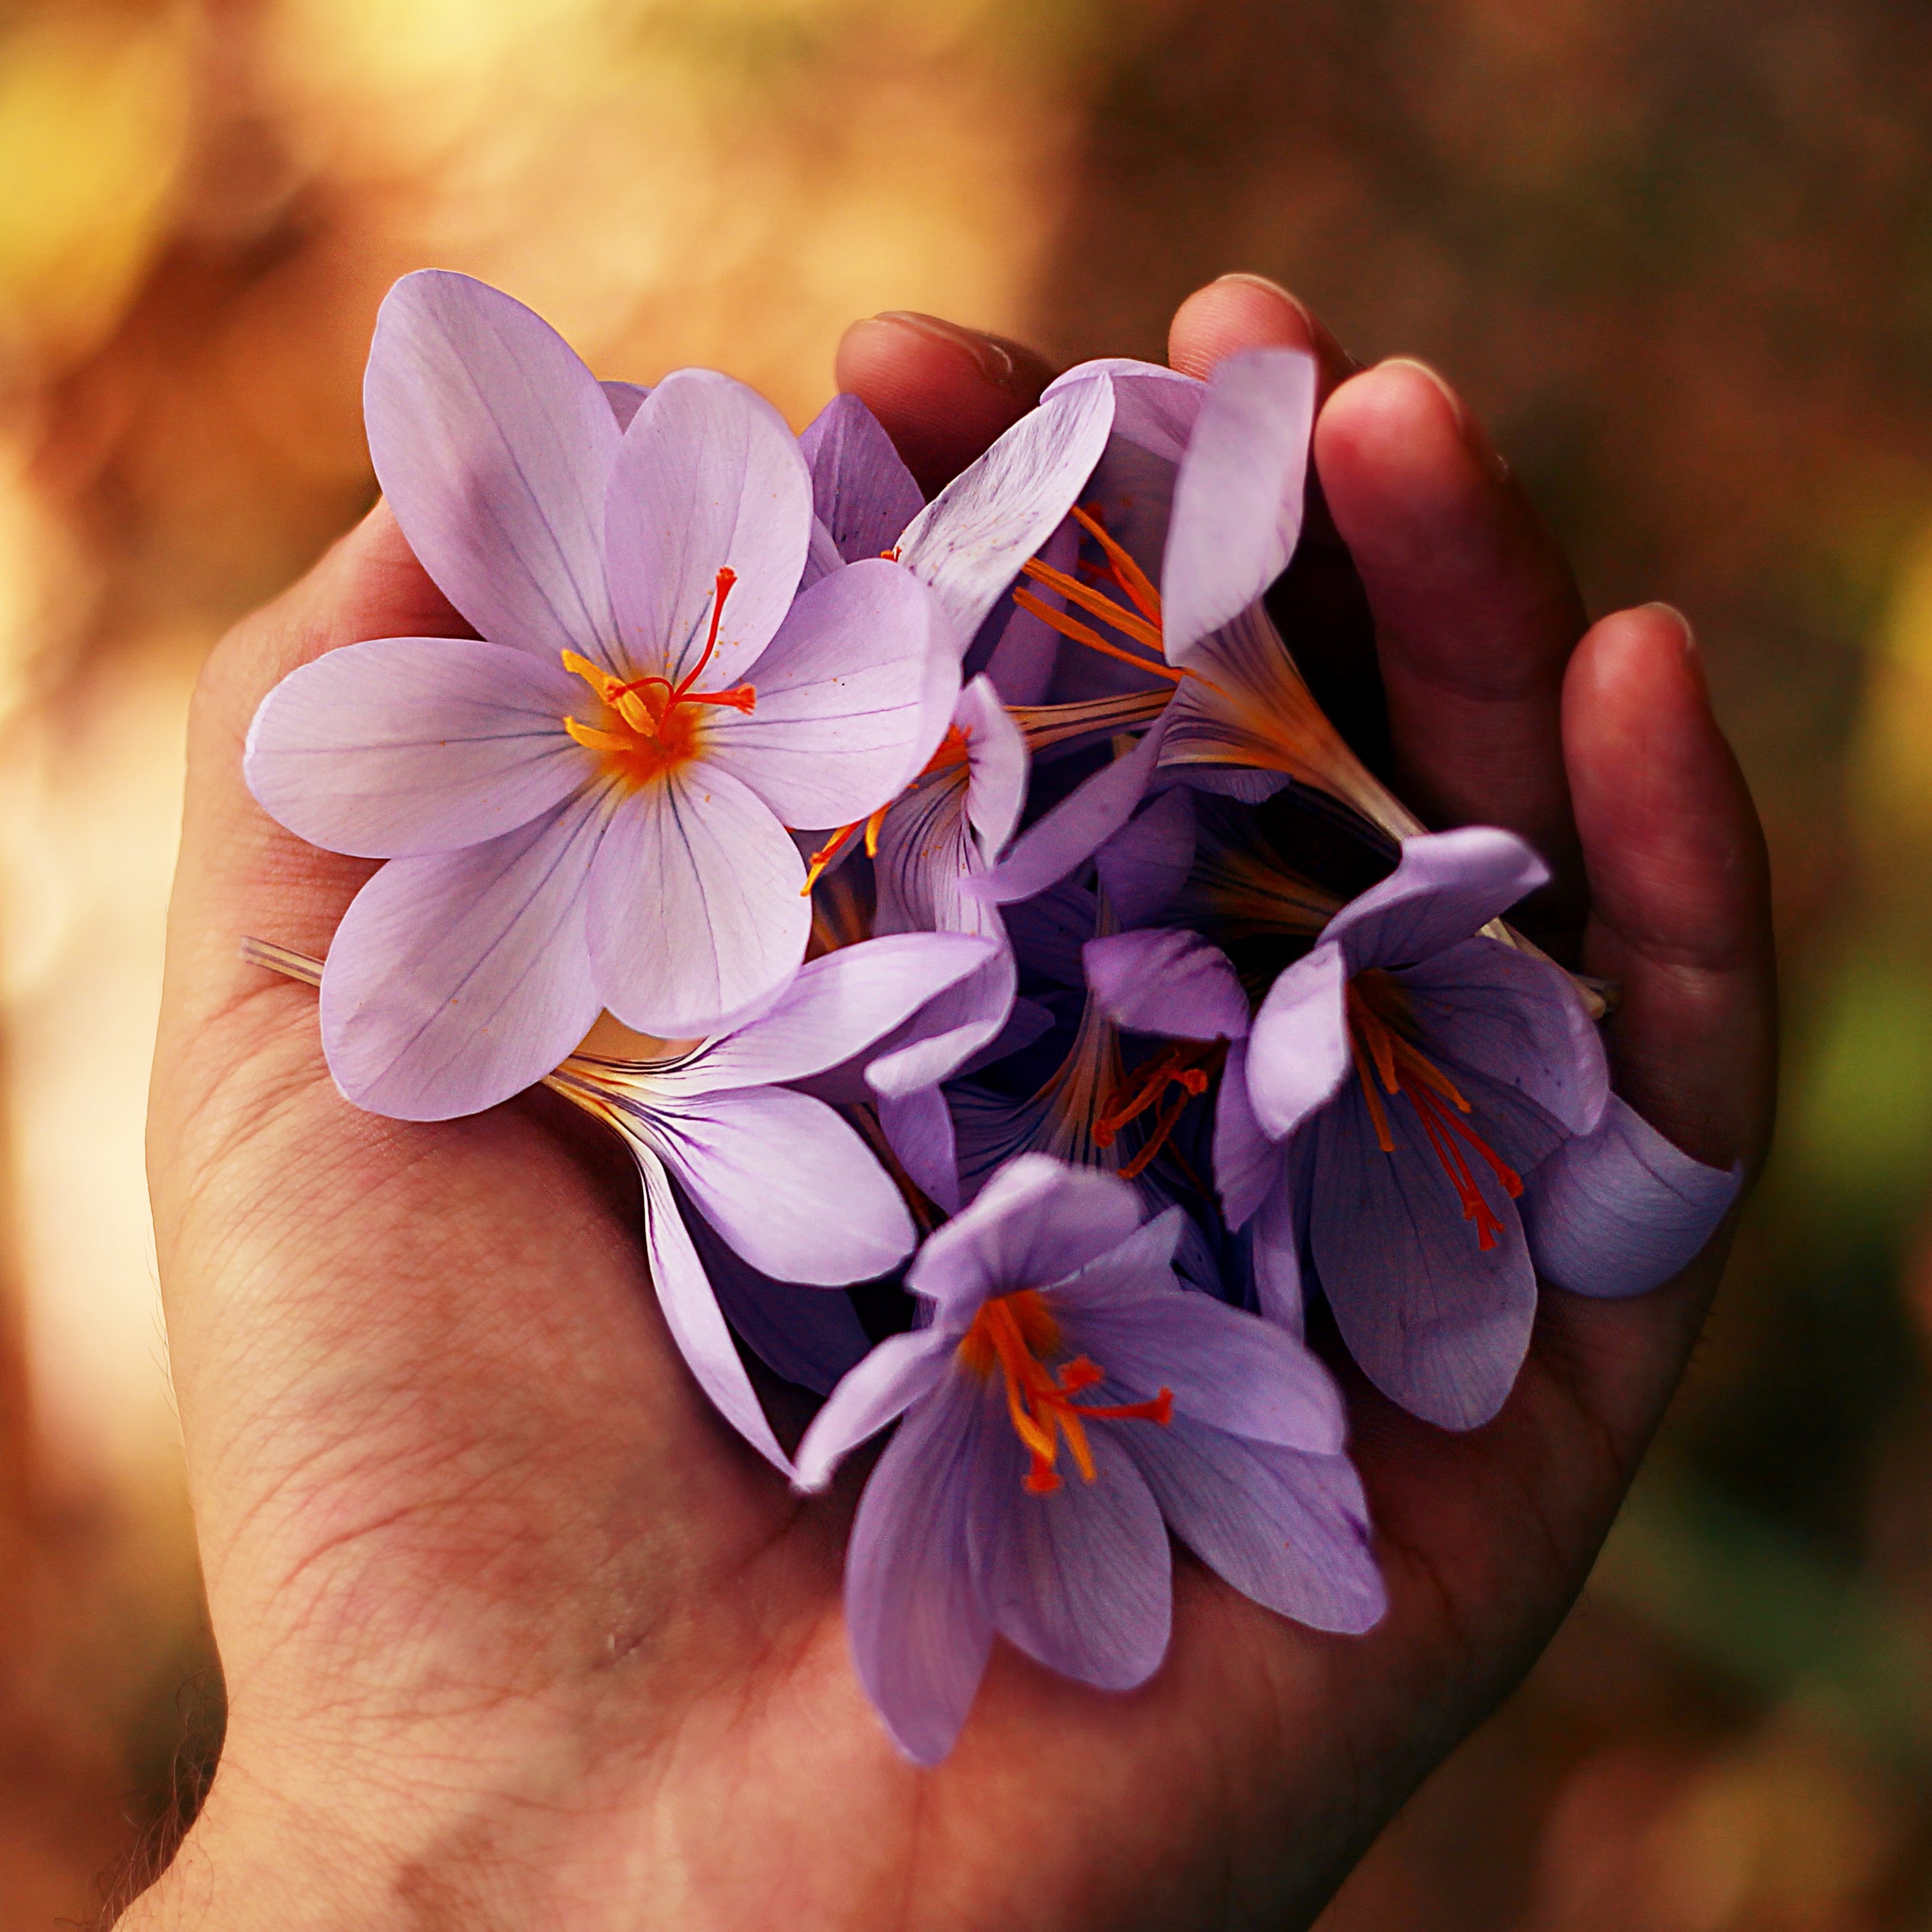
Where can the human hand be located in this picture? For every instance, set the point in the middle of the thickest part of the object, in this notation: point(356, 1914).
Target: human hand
point(517, 1632)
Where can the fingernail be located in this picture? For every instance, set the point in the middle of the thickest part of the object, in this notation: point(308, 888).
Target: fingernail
point(1475, 437)
point(1255, 281)
point(992, 356)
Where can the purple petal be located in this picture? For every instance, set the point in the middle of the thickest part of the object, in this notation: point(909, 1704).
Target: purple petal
point(918, 1128)
point(1080, 1579)
point(405, 745)
point(1226, 1367)
point(624, 399)
point(821, 557)
point(1021, 665)
point(1289, 1530)
point(1237, 498)
point(1035, 1222)
point(1298, 1055)
point(1448, 887)
point(957, 1024)
point(893, 1376)
point(708, 477)
point(1437, 1323)
point(861, 491)
point(996, 764)
point(695, 911)
point(1144, 865)
point(1275, 1240)
point(784, 1179)
point(692, 1315)
point(1168, 982)
point(843, 691)
point(1138, 1267)
point(1154, 408)
point(919, 1622)
point(1247, 1164)
point(832, 1009)
point(970, 542)
point(458, 979)
point(494, 444)
point(1515, 1017)
point(1620, 1211)
point(1076, 828)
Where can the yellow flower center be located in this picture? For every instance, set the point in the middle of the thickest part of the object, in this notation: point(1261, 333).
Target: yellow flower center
point(1015, 1333)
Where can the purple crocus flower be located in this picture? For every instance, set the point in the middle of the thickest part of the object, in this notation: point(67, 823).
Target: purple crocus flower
point(783, 1180)
point(1066, 1402)
point(586, 807)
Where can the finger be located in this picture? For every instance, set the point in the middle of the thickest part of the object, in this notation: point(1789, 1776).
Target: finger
point(1243, 311)
point(1475, 610)
point(943, 392)
point(1677, 871)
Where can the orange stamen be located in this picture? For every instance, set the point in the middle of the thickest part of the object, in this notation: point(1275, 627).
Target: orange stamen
point(1097, 602)
point(1377, 1012)
point(1185, 1066)
point(1134, 580)
point(1084, 633)
point(1013, 1332)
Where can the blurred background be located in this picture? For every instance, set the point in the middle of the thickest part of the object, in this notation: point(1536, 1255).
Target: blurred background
point(1680, 254)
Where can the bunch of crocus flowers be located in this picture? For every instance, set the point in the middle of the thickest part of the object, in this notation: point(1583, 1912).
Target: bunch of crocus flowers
point(984, 868)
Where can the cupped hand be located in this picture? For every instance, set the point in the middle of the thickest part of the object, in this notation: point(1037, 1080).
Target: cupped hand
point(517, 1633)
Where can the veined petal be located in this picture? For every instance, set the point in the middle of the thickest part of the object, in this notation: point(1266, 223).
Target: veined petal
point(1154, 408)
point(1276, 1236)
point(1021, 665)
point(404, 745)
point(1288, 1529)
point(1237, 498)
point(457, 979)
point(624, 399)
point(969, 542)
point(494, 444)
point(918, 1128)
point(996, 764)
point(1076, 828)
point(1169, 982)
point(1145, 864)
point(918, 1623)
point(1619, 1210)
point(784, 1179)
point(695, 911)
point(1138, 1267)
point(1036, 1221)
point(708, 477)
point(691, 1313)
point(1438, 1323)
point(1515, 1017)
point(840, 721)
point(896, 1374)
point(956, 1025)
point(832, 1008)
point(1448, 886)
point(861, 491)
point(1298, 1053)
point(1080, 1579)
point(1247, 1163)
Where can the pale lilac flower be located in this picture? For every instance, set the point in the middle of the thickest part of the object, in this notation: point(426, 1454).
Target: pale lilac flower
point(587, 808)
point(788, 1185)
point(1066, 1403)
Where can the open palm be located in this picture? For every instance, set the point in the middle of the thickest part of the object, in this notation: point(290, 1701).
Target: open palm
point(517, 1633)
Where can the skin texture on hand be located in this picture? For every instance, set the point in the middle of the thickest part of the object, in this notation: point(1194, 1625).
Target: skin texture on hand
point(517, 1633)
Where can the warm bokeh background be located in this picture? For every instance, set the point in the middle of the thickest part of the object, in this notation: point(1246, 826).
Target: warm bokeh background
point(1681, 253)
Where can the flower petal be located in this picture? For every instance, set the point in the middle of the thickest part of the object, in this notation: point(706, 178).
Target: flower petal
point(893, 1377)
point(832, 1009)
point(695, 909)
point(1173, 983)
point(1620, 1211)
point(1237, 498)
point(494, 444)
point(920, 1625)
point(1437, 1323)
point(1448, 886)
point(947, 1032)
point(845, 690)
point(996, 763)
point(1298, 1055)
point(969, 542)
point(708, 477)
point(1154, 408)
point(624, 399)
point(404, 745)
point(1289, 1530)
point(691, 1313)
point(1081, 1579)
point(1145, 864)
point(918, 1128)
point(1021, 664)
point(457, 979)
point(787, 1182)
point(1515, 1017)
point(1275, 1238)
point(861, 491)
point(1247, 1164)
point(1035, 1222)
